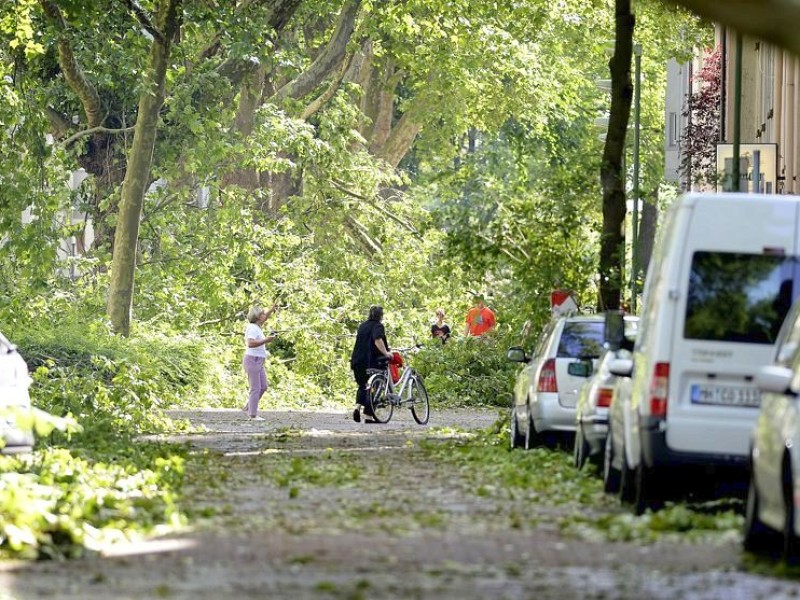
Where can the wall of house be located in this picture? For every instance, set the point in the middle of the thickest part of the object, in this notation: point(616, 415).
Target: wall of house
point(770, 105)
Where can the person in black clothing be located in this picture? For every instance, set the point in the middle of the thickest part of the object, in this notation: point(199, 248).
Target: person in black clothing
point(440, 329)
point(369, 352)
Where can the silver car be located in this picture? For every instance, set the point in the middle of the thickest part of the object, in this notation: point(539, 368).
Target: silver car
point(771, 514)
point(546, 389)
point(595, 398)
point(14, 400)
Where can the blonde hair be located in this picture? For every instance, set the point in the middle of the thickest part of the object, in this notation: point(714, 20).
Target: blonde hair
point(254, 313)
point(439, 311)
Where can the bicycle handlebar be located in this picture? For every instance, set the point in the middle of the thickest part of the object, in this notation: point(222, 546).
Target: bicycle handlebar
point(408, 349)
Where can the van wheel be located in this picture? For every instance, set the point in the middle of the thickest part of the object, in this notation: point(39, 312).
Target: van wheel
point(581, 449)
point(627, 482)
point(645, 487)
point(790, 541)
point(610, 474)
point(758, 538)
point(516, 439)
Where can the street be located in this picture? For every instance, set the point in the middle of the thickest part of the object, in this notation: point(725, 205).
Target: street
point(313, 505)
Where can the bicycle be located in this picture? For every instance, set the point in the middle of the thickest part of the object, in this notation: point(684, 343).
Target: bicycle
point(409, 391)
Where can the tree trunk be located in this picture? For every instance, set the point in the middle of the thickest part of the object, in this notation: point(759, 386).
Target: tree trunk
point(401, 139)
point(328, 60)
point(137, 176)
point(378, 105)
point(612, 242)
point(388, 138)
point(244, 123)
point(283, 186)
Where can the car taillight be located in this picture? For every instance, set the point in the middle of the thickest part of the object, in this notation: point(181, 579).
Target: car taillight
point(604, 396)
point(658, 390)
point(547, 377)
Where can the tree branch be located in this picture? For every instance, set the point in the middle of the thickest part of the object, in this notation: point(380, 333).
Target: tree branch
point(333, 55)
point(76, 136)
point(317, 104)
point(505, 251)
point(86, 92)
point(144, 20)
point(282, 12)
point(362, 236)
point(374, 205)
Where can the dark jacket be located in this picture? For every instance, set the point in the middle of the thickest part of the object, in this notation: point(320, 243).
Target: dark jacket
point(365, 355)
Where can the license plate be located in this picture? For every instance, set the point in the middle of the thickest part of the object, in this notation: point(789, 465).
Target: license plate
point(726, 395)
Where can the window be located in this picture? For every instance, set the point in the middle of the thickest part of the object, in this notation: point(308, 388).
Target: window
point(673, 130)
point(738, 297)
point(581, 339)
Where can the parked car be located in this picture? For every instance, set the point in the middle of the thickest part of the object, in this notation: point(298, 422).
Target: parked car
point(546, 388)
point(14, 400)
point(723, 275)
point(591, 415)
point(771, 512)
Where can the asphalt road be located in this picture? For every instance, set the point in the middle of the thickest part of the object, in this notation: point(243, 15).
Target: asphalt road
point(312, 505)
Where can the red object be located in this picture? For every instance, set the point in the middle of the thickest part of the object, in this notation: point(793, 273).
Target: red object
point(562, 302)
point(394, 366)
point(547, 377)
point(659, 386)
point(558, 297)
point(604, 396)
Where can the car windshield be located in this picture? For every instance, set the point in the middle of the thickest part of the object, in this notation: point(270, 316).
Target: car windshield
point(581, 339)
point(738, 297)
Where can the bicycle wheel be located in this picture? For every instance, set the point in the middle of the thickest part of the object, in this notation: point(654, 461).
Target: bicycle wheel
point(382, 408)
point(420, 407)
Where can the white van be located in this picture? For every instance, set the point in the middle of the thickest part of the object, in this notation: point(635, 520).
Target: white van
point(722, 278)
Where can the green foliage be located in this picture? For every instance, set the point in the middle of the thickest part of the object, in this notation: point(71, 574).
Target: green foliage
point(55, 504)
point(112, 384)
point(488, 461)
point(83, 488)
point(466, 372)
point(516, 214)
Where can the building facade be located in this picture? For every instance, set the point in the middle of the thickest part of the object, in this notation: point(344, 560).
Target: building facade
point(769, 117)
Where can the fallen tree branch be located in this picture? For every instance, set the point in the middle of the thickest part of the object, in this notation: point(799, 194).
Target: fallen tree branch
point(373, 204)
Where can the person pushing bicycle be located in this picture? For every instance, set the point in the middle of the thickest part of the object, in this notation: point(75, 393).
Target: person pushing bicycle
point(370, 353)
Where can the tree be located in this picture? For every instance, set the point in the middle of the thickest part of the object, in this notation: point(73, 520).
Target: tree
point(612, 241)
point(164, 28)
point(702, 131)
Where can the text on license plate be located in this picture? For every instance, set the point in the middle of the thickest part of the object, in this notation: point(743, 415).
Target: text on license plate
point(725, 395)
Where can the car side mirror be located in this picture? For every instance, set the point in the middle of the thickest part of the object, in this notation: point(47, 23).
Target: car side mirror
point(775, 379)
point(582, 368)
point(516, 354)
point(621, 367)
point(614, 329)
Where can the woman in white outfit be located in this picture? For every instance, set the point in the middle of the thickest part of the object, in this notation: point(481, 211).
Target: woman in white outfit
point(255, 355)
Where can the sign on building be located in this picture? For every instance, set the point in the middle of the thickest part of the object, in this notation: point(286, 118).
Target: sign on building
point(758, 168)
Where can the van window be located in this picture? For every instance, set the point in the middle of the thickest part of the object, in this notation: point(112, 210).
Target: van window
point(581, 339)
point(738, 297)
